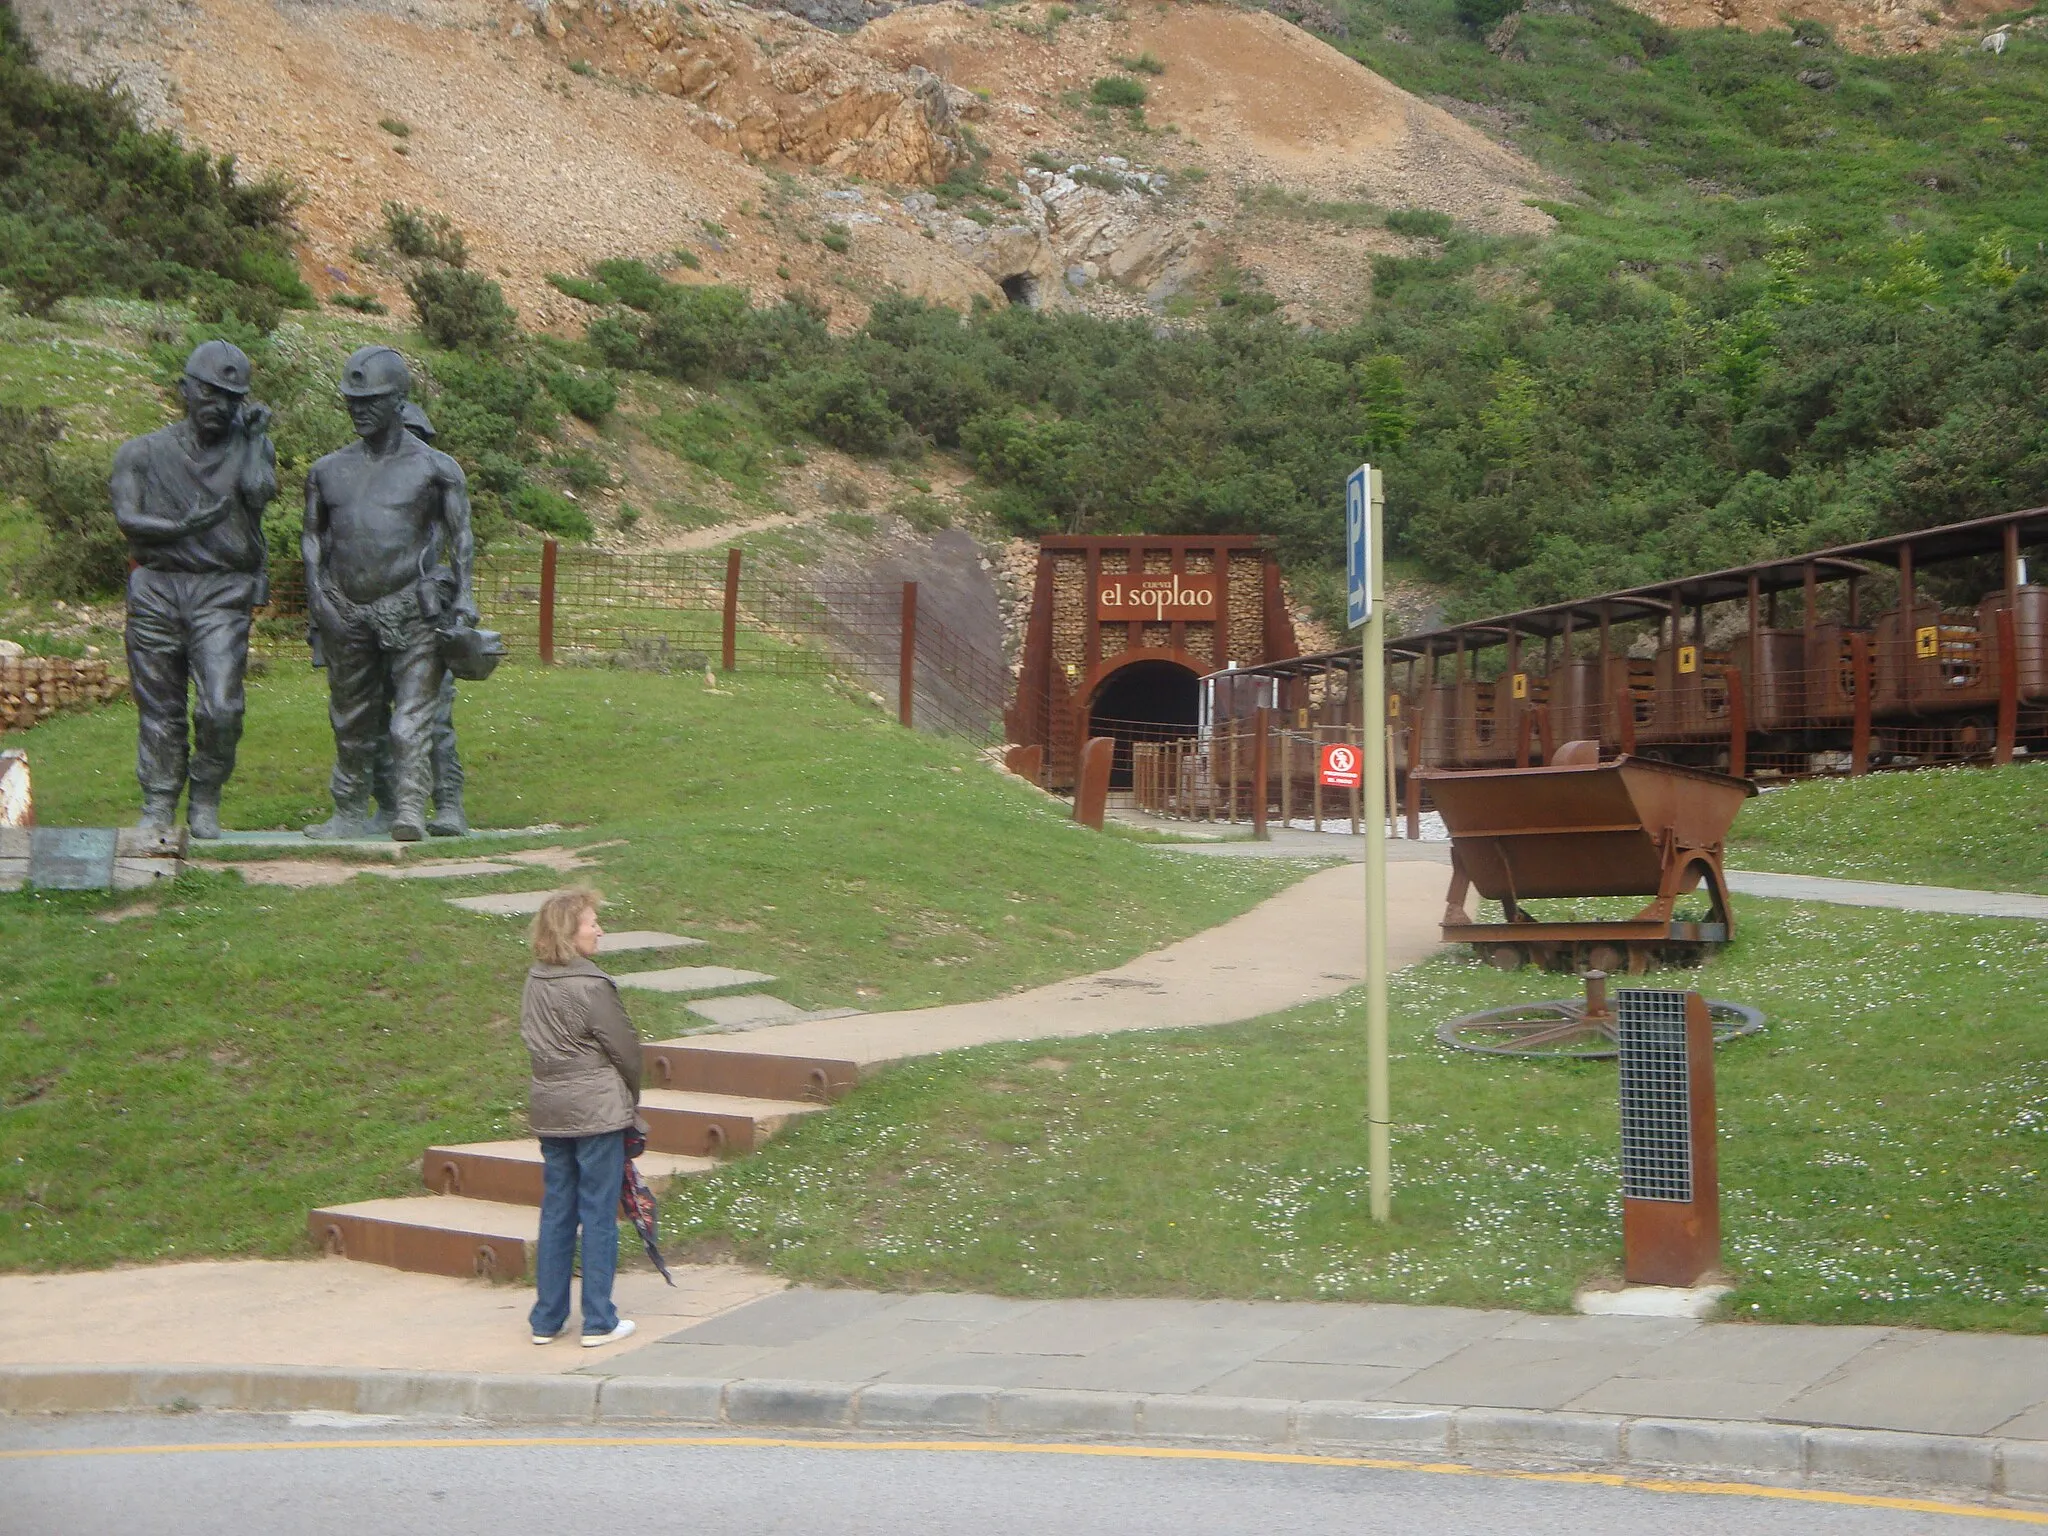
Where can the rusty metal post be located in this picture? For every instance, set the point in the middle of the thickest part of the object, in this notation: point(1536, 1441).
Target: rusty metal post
point(1286, 777)
point(1861, 679)
point(1315, 777)
point(2008, 685)
point(548, 549)
point(1091, 786)
point(1544, 736)
point(1261, 769)
point(1625, 720)
point(906, 657)
point(1411, 787)
point(728, 649)
point(1738, 724)
point(1670, 1161)
point(1525, 723)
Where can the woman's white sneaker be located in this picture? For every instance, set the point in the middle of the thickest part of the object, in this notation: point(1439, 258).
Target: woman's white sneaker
point(623, 1331)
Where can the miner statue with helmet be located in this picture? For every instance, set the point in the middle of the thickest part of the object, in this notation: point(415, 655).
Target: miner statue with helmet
point(190, 500)
point(389, 558)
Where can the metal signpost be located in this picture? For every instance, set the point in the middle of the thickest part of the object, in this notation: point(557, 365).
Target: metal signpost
point(1364, 509)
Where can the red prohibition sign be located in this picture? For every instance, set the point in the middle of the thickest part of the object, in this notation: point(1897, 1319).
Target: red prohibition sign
point(1339, 768)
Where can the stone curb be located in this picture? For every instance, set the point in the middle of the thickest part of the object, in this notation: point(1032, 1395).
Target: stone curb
point(1694, 1448)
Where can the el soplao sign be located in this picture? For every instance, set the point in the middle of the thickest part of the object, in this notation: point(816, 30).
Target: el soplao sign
point(1159, 599)
point(1340, 767)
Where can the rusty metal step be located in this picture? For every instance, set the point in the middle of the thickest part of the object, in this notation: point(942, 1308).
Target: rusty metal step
point(714, 1124)
point(690, 1065)
point(433, 1234)
point(511, 1170)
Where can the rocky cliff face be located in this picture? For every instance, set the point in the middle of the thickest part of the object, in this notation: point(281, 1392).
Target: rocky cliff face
point(945, 151)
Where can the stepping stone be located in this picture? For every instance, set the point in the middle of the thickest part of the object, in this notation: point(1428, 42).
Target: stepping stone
point(620, 943)
point(512, 1170)
point(454, 869)
point(747, 1010)
point(511, 904)
point(757, 1010)
point(693, 978)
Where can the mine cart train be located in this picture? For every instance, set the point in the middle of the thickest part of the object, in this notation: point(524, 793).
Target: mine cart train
point(1923, 649)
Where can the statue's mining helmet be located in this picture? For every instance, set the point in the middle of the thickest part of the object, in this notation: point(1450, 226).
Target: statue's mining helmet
point(221, 364)
point(375, 371)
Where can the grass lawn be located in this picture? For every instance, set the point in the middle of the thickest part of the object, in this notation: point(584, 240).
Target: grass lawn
point(1883, 1147)
point(191, 1081)
point(1982, 828)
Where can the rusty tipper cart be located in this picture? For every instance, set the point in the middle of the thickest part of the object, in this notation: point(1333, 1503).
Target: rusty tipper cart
point(1630, 826)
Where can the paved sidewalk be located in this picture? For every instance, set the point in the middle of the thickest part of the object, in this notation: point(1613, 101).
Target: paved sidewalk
point(1866, 1378)
point(1292, 843)
point(1899, 898)
point(1305, 944)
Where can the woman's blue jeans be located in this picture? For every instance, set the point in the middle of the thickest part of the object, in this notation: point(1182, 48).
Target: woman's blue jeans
point(580, 1189)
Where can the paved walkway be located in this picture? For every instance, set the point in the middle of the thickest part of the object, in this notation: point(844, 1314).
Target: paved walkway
point(1900, 898)
point(1291, 843)
point(1304, 944)
point(1866, 1378)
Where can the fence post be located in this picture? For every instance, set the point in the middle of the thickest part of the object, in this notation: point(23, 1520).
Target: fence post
point(906, 654)
point(548, 548)
point(1261, 770)
point(1625, 721)
point(1738, 723)
point(2008, 686)
point(728, 649)
point(1286, 776)
point(1859, 730)
point(1412, 787)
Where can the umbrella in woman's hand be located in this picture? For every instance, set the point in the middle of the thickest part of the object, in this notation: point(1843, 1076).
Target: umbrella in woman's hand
point(637, 1201)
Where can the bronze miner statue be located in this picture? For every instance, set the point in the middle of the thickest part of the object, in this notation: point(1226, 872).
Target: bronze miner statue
point(389, 558)
point(190, 499)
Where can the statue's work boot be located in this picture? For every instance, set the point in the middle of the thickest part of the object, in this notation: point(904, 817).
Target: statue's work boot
point(202, 812)
point(348, 821)
point(409, 825)
point(159, 812)
point(449, 820)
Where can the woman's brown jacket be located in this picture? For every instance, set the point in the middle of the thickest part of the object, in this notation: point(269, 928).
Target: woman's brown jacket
point(585, 1051)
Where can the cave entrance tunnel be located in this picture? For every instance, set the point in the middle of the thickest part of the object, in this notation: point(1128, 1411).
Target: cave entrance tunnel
point(1145, 701)
point(1021, 289)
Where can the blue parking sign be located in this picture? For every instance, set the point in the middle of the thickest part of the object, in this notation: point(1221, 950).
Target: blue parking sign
point(1358, 544)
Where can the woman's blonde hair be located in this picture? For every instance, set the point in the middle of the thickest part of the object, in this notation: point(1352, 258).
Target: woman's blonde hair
point(554, 926)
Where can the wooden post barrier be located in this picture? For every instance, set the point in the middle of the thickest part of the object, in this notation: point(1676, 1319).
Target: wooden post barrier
point(1544, 733)
point(1625, 721)
point(2008, 683)
point(1261, 767)
point(1525, 721)
point(548, 550)
point(729, 644)
point(1091, 787)
point(1738, 724)
point(906, 657)
point(1862, 680)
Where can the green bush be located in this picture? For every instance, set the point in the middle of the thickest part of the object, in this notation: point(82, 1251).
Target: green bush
point(92, 203)
point(590, 397)
point(550, 512)
point(421, 236)
point(1146, 63)
point(633, 282)
point(361, 303)
point(459, 310)
point(1118, 91)
point(584, 470)
point(1426, 223)
point(582, 289)
point(397, 127)
point(836, 240)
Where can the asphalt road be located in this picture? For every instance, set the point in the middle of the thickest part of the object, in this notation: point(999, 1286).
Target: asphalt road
point(142, 1474)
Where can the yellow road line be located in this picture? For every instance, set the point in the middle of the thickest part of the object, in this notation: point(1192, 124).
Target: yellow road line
point(1013, 1447)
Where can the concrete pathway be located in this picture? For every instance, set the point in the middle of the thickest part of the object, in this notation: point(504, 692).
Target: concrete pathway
point(1304, 944)
point(1866, 1378)
point(1900, 898)
point(1291, 843)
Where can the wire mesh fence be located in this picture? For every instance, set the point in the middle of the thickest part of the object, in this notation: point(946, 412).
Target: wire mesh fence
point(687, 611)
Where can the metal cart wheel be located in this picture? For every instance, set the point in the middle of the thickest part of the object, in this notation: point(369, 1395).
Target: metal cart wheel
point(1571, 1028)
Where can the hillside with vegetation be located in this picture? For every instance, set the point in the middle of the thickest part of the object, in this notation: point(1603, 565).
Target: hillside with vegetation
point(1794, 294)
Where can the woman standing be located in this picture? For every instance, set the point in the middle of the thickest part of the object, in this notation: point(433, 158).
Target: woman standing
point(586, 1082)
